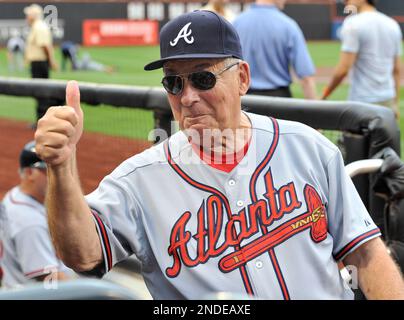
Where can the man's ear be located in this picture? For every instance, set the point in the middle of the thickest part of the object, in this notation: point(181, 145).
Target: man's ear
point(245, 78)
point(27, 171)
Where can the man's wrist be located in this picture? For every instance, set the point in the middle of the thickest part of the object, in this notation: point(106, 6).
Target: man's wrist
point(326, 92)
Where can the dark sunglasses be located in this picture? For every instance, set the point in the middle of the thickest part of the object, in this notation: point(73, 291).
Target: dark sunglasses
point(202, 80)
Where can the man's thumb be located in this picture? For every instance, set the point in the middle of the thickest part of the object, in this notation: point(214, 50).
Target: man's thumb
point(73, 96)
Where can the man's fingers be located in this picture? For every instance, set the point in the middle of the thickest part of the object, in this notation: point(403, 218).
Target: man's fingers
point(53, 140)
point(60, 129)
point(65, 113)
point(73, 96)
point(55, 114)
point(65, 127)
point(52, 148)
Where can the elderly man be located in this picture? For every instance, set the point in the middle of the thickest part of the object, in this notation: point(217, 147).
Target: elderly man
point(28, 253)
point(39, 51)
point(233, 202)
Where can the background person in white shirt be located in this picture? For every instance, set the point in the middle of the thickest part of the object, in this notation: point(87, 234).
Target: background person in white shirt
point(371, 50)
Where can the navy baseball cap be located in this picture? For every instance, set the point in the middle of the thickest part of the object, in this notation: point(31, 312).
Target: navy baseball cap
point(197, 34)
point(29, 158)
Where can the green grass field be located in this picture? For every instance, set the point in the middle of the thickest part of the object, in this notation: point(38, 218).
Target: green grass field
point(129, 62)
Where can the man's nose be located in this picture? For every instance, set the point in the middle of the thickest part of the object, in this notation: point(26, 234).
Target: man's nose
point(189, 94)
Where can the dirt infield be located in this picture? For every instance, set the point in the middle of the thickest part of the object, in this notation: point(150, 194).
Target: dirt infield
point(97, 154)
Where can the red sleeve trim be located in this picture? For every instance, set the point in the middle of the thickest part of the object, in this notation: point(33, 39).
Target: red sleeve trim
point(40, 272)
point(355, 242)
point(104, 240)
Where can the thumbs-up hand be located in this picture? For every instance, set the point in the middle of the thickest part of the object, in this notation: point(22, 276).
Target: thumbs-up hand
point(60, 129)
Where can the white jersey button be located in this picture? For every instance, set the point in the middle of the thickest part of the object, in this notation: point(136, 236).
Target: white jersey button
point(232, 182)
point(258, 264)
point(240, 203)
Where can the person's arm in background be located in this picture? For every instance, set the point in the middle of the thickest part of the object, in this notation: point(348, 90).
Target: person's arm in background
point(9, 57)
point(51, 57)
point(35, 253)
point(350, 46)
point(309, 87)
point(302, 63)
point(397, 80)
point(44, 40)
point(54, 276)
point(346, 61)
point(70, 220)
point(379, 277)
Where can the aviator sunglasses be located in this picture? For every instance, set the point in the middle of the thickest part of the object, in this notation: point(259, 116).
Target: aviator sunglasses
point(201, 80)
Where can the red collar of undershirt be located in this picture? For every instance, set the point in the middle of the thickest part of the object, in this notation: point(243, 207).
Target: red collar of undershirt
point(223, 162)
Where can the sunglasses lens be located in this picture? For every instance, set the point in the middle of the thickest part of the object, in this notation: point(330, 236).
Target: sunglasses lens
point(204, 80)
point(173, 84)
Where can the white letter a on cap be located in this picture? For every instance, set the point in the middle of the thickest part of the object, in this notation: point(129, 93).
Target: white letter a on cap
point(184, 34)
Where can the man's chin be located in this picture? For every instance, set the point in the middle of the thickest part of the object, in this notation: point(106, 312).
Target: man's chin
point(200, 127)
point(199, 132)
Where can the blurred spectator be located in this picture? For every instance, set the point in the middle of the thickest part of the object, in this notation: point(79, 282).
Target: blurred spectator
point(219, 6)
point(15, 53)
point(69, 53)
point(39, 51)
point(272, 44)
point(87, 63)
point(28, 253)
point(371, 50)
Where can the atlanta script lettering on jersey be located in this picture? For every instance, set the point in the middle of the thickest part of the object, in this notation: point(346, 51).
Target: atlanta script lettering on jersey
point(211, 224)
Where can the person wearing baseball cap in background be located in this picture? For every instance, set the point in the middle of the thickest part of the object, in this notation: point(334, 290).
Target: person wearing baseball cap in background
point(39, 53)
point(234, 201)
point(28, 253)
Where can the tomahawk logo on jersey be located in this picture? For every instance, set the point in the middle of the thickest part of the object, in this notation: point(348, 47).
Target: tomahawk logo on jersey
point(253, 219)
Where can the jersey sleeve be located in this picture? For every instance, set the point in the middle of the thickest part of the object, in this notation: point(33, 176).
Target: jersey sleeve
point(399, 43)
point(35, 252)
point(115, 214)
point(299, 55)
point(349, 37)
point(349, 223)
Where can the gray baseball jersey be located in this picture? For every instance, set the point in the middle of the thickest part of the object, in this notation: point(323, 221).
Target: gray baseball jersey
point(27, 248)
point(274, 227)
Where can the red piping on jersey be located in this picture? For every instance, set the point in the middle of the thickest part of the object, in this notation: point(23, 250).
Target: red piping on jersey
point(264, 162)
point(212, 190)
point(354, 242)
point(254, 199)
point(39, 272)
point(279, 275)
point(21, 202)
point(105, 240)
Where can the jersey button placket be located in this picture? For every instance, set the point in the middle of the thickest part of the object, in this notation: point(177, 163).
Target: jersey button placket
point(236, 205)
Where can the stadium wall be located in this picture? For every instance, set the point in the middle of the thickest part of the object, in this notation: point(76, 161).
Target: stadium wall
point(317, 18)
